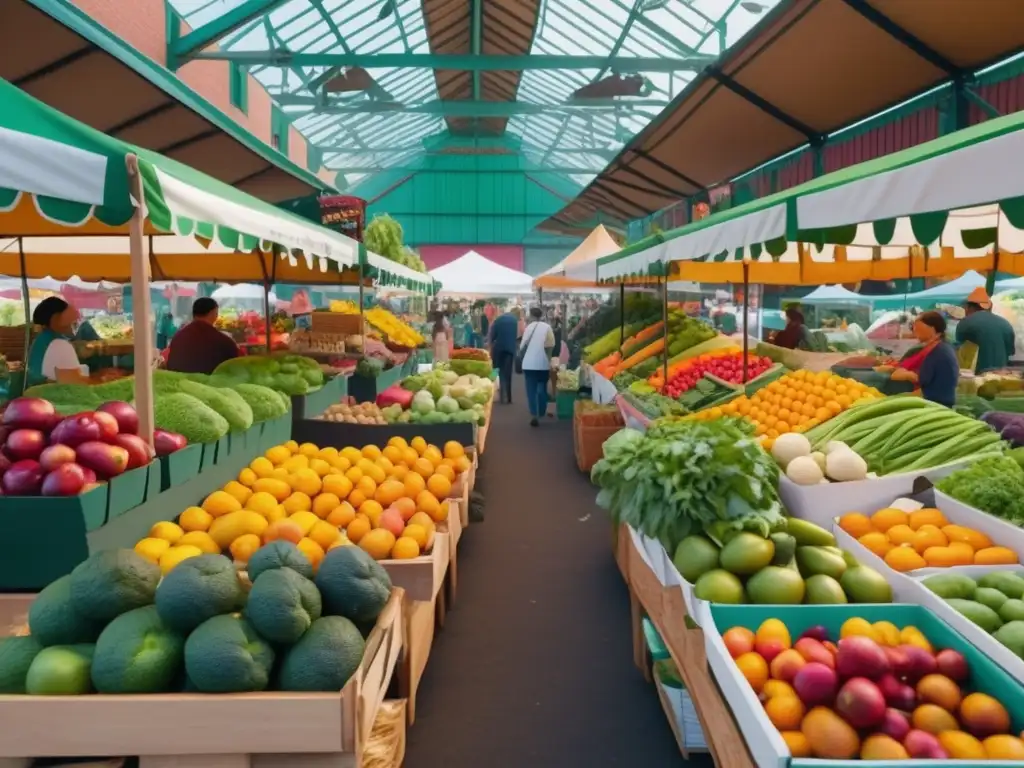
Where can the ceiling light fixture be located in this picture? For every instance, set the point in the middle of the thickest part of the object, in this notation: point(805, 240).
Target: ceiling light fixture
point(750, 6)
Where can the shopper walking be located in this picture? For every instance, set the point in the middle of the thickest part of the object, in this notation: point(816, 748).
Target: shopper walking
point(442, 338)
point(502, 342)
point(535, 351)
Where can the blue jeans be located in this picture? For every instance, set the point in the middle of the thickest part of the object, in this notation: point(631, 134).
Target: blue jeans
point(537, 391)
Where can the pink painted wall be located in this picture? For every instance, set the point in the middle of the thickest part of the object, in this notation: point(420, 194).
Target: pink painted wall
point(435, 256)
point(142, 23)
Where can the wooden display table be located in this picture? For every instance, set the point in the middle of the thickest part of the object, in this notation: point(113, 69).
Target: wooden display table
point(666, 610)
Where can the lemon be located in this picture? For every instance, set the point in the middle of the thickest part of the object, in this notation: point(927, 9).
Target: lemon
point(202, 540)
point(319, 466)
point(305, 520)
point(247, 477)
point(308, 449)
point(292, 446)
point(169, 532)
point(306, 481)
point(262, 502)
point(175, 555)
point(195, 519)
point(221, 503)
point(239, 491)
point(152, 548)
point(406, 548)
point(261, 466)
point(297, 502)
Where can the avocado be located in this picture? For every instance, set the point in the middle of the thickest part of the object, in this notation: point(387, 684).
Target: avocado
point(785, 548)
point(824, 590)
point(138, 653)
point(809, 534)
point(53, 620)
point(1007, 582)
point(1011, 635)
point(352, 584)
point(951, 585)
point(719, 586)
point(865, 585)
point(113, 582)
point(694, 557)
point(16, 656)
point(325, 658)
point(814, 560)
point(746, 553)
point(198, 589)
point(1012, 610)
point(283, 605)
point(226, 655)
point(993, 598)
point(980, 614)
point(776, 585)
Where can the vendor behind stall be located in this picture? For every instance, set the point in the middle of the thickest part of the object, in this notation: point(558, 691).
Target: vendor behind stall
point(795, 334)
point(52, 351)
point(199, 347)
point(992, 334)
point(934, 367)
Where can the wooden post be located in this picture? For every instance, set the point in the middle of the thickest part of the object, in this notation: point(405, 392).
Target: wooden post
point(141, 305)
point(664, 322)
point(622, 314)
point(746, 313)
point(27, 307)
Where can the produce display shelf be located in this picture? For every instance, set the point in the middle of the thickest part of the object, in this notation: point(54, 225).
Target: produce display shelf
point(268, 730)
point(365, 389)
point(421, 578)
point(339, 434)
point(667, 613)
point(421, 622)
point(314, 403)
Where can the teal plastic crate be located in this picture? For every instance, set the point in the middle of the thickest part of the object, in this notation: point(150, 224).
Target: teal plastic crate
point(564, 404)
point(986, 675)
point(655, 645)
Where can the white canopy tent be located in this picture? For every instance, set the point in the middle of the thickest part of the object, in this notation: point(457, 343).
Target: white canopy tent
point(834, 294)
point(473, 275)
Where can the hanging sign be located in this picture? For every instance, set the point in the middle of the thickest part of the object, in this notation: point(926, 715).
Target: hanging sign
point(344, 214)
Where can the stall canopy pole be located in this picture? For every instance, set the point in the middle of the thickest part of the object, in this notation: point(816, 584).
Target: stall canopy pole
point(664, 327)
point(25, 301)
point(746, 313)
point(362, 323)
point(141, 306)
point(622, 314)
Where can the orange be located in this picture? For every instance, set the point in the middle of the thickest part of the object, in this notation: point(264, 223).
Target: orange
point(295, 463)
point(389, 492)
point(797, 743)
point(279, 489)
point(427, 502)
point(440, 486)
point(244, 546)
point(927, 516)
point(378, 543)
point(356, 498)
point(341, 515)
point(876, 542)
point(418, 444)
point(941, 557)
point(153, 549)
point(292, 446)
point(297, 502)
point(960, 533)
point(307, 481)
point(313, 551)
point(928, 536)
point(305, 520)
point(309, 450)
point(884, 519)
point(900, 534)
point(462, 464)
point(754, 669)
point(283, 529)
point(405, 548)
point(409, 456)
point(341, 464)
point(277, 513)
point(904, 559)
point(785, 712)
point(358, 528)
point(354, 474)
point(1004, 748)
point(367, 486)
point(856, 524)
point(962, 746)
point(276, 455)
point(433, 455)
point(247, 477)
point(195, 519)
point(324, 534)
point(417, 533)
point(239, 491)
point(262, 502)
point(398, 442)
point(280, 473)
point(423, 468)
point(414, 485)
point(324, 504)
point(392, 453)
point(328, 454)
point(371, 452)
point(384, 463)
point(933, 719)
point(446, 471)
point(406, 507)
point(939, 689)
point(372, 510)
point(452, 450)
point(221, 503)
point(995, 556)
point(339, 485)
point(772, 687)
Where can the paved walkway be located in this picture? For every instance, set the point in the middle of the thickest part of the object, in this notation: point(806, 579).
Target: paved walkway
point(534, 667)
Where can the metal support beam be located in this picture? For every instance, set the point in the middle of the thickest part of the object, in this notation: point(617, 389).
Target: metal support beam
point(978, 100)
point(530, 169)
point(328, 149)
point(468, 108)
point(765, 106)
point(464, 62)
point(188, 45)
point(897, 32)
point(478, 26)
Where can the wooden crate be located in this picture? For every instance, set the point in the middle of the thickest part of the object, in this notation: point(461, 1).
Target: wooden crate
point(420, 622)
point(421, 577)
point(12, 342)
point(251, 730)
point(337, 323)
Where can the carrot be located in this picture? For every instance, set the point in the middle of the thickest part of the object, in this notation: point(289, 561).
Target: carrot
point(647, 333)
point(654, 348)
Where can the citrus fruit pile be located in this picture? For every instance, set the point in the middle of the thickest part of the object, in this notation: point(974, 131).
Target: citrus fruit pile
point(388, 501)
point(923, 539)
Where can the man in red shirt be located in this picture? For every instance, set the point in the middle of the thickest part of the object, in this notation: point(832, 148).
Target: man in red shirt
point(199, 347)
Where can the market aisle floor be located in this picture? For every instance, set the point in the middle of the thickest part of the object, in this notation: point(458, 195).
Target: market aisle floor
point(534, 666)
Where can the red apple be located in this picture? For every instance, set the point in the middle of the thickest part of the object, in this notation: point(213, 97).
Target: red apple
point(29, 413)
point(105, 460)
point(25, 444)
point(895, 724)
point(108, 425)
point(168, 442)
point(860, 656)
point(65, 480)
point(23, 478)
point(139, 454)
point(55, 455)
point(127, 418)
point(78, 429)
point(90, 476)
point(952, 664)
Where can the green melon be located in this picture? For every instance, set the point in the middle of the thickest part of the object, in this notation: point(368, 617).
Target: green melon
point(138, 653)
point(325, 658)
point(198, 589)
point(225, 654)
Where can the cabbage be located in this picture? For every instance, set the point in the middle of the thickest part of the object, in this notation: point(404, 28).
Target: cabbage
point(414, 383)
point(422, 402)
point(480, 396)
point(465, 403)
point(449, 377)
point(434, 389)
point(458, 390)
point(447, 405)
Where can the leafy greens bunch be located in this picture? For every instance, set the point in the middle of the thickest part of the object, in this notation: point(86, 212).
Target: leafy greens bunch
point(994, 485)
point(689, 477)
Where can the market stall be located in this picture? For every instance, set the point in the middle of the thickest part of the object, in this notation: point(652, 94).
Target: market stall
point(473, 275)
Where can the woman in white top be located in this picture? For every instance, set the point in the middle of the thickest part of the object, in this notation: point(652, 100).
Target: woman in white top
point(535, 349)
point(442, 348)
point(52, 351)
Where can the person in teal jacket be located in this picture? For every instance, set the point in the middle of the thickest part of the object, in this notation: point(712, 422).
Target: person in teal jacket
point(51, 349)
point(992, 334)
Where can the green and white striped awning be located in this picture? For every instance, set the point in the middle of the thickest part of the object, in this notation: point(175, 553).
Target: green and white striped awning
point(391, 274)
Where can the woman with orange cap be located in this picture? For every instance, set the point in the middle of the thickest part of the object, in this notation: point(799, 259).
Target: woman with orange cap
point(992, 334)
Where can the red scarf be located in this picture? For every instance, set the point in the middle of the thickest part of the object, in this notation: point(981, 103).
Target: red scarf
point(913, 363)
